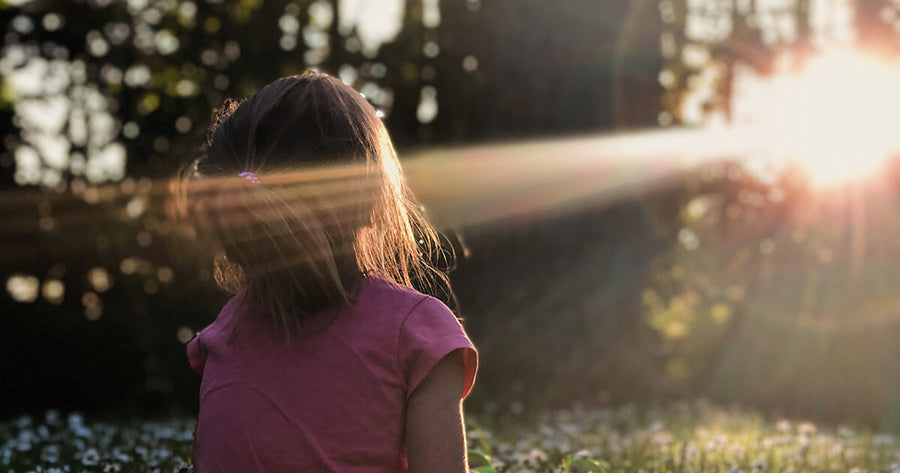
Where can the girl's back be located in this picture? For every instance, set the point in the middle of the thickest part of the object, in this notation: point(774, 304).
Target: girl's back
point(332, 400)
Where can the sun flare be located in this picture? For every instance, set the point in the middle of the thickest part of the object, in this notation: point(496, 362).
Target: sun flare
point(836, 119)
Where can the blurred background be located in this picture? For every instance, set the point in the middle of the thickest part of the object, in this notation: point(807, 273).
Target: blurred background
point(649, 199)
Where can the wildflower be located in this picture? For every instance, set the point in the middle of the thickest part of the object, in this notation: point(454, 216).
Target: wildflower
point(51, 453)
point(75, 419)
point(52, 417)
point(807, 428)
point(661, 438)
point(717, 442)
point(90, 457)
point(533, 457)
point(23, 422)
point(570, 429)
point(82, 431)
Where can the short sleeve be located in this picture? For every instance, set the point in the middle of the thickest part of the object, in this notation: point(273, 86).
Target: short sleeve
point(429, 333)
point(196, 354)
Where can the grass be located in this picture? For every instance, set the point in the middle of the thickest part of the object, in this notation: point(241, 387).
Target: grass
point(680, 438)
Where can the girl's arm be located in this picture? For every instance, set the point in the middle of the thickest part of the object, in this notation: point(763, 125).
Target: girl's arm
point(435, 436)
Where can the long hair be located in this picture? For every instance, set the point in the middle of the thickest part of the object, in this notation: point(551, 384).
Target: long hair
point(301, 191)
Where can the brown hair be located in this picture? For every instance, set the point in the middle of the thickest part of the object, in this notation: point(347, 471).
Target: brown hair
point(326, 204)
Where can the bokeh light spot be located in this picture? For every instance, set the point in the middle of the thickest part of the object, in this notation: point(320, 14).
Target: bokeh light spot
point(720, 313)
point(428, 105)
point(22, 24)
point(165, 274)
point(23, 288)
point(52, 22)
point(470, 63)
point(135, 207)
point(53, 291)
point(93, 305)
point(688, 239)
point(183, 124)
point(166, 42)
point(128, 265)
point(431, 49)
point(144, 239)
point(47, 223)
point(99, 279)
point(131, 130)
point(185, 334)
point(212, 25)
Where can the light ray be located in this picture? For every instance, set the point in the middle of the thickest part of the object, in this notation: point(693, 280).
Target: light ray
point(459, 186)
point(470, 186)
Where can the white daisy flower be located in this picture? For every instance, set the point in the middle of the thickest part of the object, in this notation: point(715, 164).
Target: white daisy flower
point(90, 457)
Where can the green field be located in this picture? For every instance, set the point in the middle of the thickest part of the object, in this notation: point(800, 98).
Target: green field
point(679, 438)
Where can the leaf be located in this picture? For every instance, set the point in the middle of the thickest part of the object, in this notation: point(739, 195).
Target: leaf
point(585, 465)
point(480, 462)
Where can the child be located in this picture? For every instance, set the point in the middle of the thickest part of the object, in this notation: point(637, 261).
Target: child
point(325, 359)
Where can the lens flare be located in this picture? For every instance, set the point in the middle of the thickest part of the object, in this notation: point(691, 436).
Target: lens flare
point(835, 119)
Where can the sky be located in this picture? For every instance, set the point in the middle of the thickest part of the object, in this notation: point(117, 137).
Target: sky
point(376, 21)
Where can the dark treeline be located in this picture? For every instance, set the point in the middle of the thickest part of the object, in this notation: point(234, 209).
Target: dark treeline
point(541, 70)
point(561, 306)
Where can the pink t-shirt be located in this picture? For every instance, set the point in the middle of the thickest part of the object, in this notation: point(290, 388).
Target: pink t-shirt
point(330, 400)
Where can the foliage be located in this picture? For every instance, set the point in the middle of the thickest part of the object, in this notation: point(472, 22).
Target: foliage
point(92, 260)
point(776, 288)
point(141, 79)
point(772, 277)
point(696, 295)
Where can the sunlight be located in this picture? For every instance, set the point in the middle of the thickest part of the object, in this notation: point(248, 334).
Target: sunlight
point(836, 119)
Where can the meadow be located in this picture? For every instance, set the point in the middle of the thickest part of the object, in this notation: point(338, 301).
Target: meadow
point(678, 438)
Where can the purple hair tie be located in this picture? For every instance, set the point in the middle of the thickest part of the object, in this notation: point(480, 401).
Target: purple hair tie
point(250, 177)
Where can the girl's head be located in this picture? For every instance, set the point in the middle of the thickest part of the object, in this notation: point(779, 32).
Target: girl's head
point(326, 202)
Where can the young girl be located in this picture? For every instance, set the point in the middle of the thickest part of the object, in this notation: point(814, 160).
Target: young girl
point(325, 359)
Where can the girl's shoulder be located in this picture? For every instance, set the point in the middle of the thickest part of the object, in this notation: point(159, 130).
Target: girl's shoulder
point(229, 311)
point(380, 292)
point(198, 347)
point(226, 318)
